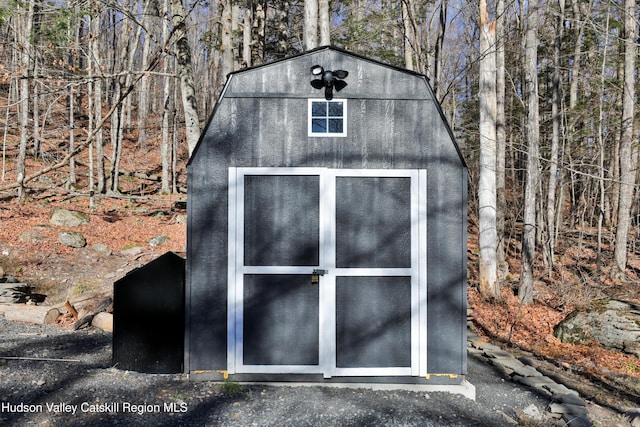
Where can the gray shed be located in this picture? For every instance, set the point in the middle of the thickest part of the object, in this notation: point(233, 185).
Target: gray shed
point(327, 228)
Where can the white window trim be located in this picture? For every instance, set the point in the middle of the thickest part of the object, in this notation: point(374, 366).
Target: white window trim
point(327, 134)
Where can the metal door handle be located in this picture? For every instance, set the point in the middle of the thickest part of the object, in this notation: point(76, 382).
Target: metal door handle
point(315, 275)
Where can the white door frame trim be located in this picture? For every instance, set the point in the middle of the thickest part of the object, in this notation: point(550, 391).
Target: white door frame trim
point(327, 290)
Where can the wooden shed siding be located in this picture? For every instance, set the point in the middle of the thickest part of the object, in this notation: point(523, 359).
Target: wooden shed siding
point(367, 79)
point(387, 134)
point(445, 284)
point(207, 266)
point(393, 122)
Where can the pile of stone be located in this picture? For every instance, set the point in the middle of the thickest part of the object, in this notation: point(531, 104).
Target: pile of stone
point(69, 218)
point(566, 403)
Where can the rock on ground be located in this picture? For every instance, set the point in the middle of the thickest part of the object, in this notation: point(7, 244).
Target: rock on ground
point(72, 239)
point(614, 324)
point(68, 218)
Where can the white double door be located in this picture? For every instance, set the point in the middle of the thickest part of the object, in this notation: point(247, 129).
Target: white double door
point(327, 271)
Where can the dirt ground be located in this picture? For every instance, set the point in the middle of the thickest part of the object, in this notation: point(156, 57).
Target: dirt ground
point(120, 237)
point(68, 378)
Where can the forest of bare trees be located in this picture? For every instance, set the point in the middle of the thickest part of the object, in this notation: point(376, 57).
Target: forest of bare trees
point(562, 123)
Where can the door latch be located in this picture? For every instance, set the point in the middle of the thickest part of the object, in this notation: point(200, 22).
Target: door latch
point(315, 275)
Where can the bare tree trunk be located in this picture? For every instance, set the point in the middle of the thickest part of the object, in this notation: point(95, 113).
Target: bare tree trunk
point(358, 10)
point(246, 38)
point(427, 46)
point(282, 36)
point(258, 35)
point(71, 103)
point(212, 72)
point(35, 95)
point(185, 72)
point(324, 22)
point(166, 103)
point(613, 173)
point(579, 10)
point(235, 25)
point(143, 92)
point(409, 33)
point(525, 290)
point(72, 143)
point(116, 142)
point(123, 83)
point(174, 144)
point(24, 40)
point(601, 194)
point(101, 181)
point(555, 139)
point(6, 130)
point(439, 55)
point(628, 154)
point(310, 31)
point(117, 119)
point(501, 143)
point(91, 121)
point(165, 148)
point(601, 147)
point(487, 183)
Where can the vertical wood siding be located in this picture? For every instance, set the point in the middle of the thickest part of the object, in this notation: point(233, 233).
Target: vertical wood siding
point(393, 122)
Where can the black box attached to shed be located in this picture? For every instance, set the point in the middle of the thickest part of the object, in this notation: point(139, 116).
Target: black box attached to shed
point(148, 317)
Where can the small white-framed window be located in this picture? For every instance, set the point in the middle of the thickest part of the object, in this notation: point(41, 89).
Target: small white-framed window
point(327, 118)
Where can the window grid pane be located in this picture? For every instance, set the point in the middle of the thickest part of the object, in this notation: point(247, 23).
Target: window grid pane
point(335, 109)
point(335, 125)
point(319, 125)
point(327, 118)
point(318, 109)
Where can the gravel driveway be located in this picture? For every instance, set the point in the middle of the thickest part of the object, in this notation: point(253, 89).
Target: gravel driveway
point(82, 389)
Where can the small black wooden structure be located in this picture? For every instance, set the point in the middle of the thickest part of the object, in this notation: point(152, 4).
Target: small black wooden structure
point(148, 317)
point(327, 227)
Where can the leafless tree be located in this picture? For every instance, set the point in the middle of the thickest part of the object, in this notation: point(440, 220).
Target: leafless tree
point(487, 234)
point(628, 152)
point(525, 290)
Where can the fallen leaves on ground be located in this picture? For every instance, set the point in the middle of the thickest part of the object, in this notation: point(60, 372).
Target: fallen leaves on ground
point(530, 327)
